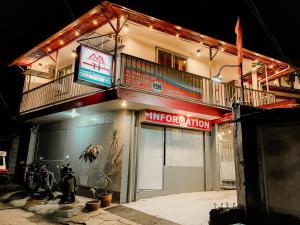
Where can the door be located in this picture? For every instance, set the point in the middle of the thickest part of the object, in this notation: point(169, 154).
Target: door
point(151, 158)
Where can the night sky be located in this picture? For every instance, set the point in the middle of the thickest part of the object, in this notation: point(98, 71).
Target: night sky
point(24, 24)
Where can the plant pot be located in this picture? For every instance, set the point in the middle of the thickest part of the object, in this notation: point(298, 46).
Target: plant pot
point(92, 205)
point(105, 199)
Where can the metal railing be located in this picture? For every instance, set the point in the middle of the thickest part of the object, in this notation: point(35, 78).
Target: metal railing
point(153, 78)
point(55, 92)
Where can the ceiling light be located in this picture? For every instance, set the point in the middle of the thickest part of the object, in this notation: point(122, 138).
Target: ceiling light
point(126, 28)
point(184, 61)
point(256, 60)
point(229, 132)
point(271, 66)
point(48, 49)
point(198, 52)
point(259, 78)
point(61, 42)
point(188, 115)
point(277, 71)
point(151, 27)
point(76, 33)
point(40, 66)
point(222, 49)
point(122, 17)
point(177, 35)
point(123, 104)
point(74, 113)
point(201, 43)
point(222, 43)
point(95, 22)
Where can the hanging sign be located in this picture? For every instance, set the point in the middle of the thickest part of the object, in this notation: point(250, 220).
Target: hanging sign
point(93, 67)
point(172, 119)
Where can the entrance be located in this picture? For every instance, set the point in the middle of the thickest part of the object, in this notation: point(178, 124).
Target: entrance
point(151, 158)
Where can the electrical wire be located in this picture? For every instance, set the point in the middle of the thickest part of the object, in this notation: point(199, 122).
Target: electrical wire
point(257, 15)
point(69, 9)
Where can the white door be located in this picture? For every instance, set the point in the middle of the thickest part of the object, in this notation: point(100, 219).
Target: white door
point(151, 158)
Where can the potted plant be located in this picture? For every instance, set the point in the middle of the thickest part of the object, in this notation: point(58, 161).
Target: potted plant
point(91, 154)
point(111, 169)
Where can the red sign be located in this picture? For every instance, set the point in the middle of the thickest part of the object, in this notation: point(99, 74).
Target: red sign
point(152, 83)
point(177, 120)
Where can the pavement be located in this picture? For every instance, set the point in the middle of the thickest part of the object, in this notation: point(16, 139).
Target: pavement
point(17, 208)
point(186, 208)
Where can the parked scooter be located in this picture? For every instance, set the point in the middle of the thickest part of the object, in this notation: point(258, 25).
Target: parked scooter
point(39, 176)
point(68, 182)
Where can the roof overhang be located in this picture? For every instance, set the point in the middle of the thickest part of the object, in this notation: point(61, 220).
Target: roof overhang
point(107, 11)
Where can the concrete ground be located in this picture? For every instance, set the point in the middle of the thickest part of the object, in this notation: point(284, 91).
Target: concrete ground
point(187, 208)
point(17, 208)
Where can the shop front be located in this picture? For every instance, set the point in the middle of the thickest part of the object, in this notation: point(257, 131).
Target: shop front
point(172, 154)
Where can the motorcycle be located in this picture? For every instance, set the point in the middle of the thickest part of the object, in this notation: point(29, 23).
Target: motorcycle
point(39, 176)
point(68, 182)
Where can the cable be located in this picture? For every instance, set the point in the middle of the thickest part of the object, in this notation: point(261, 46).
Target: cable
point(69, 8)
point(268, 32)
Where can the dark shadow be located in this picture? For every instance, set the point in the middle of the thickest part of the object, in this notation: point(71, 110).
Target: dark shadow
point(16, 196)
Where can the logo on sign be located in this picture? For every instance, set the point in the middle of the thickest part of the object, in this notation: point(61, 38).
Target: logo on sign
point(157, 86)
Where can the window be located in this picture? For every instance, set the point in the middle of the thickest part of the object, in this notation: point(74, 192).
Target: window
point(171, 59)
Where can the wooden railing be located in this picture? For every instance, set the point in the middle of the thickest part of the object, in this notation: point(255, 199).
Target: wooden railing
point(52, 93)
point(146, 76)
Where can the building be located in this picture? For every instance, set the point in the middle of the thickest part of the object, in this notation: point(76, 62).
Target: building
point(157, 90)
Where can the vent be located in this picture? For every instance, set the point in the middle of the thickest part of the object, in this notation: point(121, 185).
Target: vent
point(228, 184)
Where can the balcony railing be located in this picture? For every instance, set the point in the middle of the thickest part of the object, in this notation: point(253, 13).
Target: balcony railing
point(55, 92)
point(146, 76)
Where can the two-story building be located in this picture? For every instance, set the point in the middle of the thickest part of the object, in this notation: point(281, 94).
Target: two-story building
point(159, 93)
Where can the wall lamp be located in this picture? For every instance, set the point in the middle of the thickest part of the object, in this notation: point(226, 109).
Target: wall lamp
point(218, 77)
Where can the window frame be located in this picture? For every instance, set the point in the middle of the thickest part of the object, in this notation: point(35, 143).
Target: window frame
point(157, 48)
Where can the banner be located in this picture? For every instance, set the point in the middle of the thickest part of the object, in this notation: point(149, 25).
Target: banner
point(172, 119)
point(153, 83)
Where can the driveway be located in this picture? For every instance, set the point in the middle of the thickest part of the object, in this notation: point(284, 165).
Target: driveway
point(187, 208)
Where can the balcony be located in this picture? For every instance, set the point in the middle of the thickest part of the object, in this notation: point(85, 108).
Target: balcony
point(151, 78)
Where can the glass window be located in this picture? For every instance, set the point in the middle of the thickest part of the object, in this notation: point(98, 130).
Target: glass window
point(164, 58)
point(1, 161)
point(171, 59)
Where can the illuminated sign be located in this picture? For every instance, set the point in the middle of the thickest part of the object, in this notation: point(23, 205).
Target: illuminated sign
point(93, 67)
point(178, 120)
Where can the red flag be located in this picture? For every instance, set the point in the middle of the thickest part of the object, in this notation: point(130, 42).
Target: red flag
point(239, 43)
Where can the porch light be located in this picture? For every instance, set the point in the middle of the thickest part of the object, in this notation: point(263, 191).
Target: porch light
point(126, 28)
point(123, 104)
point(198, 52)
point(217, 78)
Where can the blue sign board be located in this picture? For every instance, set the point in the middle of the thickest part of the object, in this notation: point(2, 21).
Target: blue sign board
point(93, 67)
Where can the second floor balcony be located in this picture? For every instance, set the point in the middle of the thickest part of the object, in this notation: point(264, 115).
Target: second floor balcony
point(148, 77)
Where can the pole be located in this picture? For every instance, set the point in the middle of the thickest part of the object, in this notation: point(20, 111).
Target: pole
point(242, 83)
point(267, 82)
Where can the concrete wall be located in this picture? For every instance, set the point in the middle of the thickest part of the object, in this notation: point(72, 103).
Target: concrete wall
point(71, 137)
point(267, 164)
point(280, 154)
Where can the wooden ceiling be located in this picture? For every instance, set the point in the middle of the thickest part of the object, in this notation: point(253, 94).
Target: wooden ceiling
point(100, 15)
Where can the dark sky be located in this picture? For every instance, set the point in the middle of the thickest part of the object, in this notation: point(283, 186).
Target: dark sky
point(25, 24)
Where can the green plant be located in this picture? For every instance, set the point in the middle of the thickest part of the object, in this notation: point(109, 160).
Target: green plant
point(112, 163)
point(92, 153)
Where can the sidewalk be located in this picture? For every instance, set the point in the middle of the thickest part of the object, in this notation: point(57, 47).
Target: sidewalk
point(16, 206)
